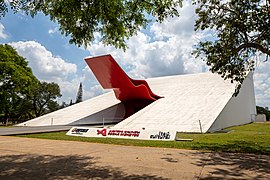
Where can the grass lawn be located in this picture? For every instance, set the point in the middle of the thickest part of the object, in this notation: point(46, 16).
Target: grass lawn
point(251, 138)
point(4, 125)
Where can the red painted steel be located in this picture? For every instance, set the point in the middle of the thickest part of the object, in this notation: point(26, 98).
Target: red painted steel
point(111, 76)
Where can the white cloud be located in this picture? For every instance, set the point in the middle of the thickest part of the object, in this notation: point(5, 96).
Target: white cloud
point(44, 64)
point(53, 30)
point(50, 68)
point(182, 26)
point(91, 87)
point(262, 84)
point(166, 50)
point(2, 33)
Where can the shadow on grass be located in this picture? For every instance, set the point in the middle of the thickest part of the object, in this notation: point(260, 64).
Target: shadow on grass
point(235, 166)
point(60, 167)
point(234, 146)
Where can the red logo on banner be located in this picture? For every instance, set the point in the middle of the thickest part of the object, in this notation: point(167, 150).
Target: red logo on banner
point(103, 132)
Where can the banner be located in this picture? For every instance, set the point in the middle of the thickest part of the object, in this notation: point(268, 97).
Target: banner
point(122, 133)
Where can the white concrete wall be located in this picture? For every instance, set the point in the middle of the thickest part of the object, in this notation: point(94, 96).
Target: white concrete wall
point(240, 109)
point(90, 111)
point(112, 114)
point(187, 100)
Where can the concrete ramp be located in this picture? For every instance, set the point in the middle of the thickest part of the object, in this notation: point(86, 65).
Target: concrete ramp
point(195, 103)
point(93, 111)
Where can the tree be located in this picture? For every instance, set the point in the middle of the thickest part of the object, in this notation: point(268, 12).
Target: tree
point(43, 99)
point(241, 33)
point(261, 110)
point(22, 96)
point(52, 106)
point(114, 20)
point(240, 28)
point(63, 105)
point(16, 82)
point(70, 103)
point(79, 94)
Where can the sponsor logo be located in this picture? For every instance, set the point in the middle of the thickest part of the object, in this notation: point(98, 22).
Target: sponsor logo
point(124, 133)
point(161, 135)
point(79, 131)
point(103, 132)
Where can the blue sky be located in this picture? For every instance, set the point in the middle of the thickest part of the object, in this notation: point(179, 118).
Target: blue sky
point(161, 49)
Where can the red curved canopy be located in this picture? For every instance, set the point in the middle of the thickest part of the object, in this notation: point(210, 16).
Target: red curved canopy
point(111, 76)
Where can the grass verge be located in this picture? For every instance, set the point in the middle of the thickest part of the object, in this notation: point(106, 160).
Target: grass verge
point(251, 138)
point(5, 126)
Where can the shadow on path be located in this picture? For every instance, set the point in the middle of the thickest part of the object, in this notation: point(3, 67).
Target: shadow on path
point(60, 167)
point(235, 166)
point(235, 146)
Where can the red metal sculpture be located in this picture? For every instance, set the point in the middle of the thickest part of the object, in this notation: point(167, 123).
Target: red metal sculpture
point(135, 94)
point(111, 76)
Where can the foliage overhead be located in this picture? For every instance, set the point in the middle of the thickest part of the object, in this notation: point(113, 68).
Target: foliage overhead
point(241, 33)
point(114, 20)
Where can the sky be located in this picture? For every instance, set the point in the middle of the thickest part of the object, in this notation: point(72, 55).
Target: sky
point(160, 50)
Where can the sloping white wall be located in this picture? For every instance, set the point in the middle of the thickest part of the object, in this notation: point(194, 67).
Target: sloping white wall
point(91, 111)
point(112, 114)
point(240, 109)
point(187, 100)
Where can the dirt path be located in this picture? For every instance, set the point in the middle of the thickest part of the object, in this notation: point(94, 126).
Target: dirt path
point(25, 158)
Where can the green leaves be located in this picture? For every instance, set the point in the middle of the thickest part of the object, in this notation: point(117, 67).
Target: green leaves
point(241, 32)
point(43, 97)
point(16, 81)
point(15, 75)
point(114, 20)
point(21, 94)
point(241, 28)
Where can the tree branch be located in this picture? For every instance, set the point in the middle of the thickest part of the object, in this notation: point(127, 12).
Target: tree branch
point(253, 45)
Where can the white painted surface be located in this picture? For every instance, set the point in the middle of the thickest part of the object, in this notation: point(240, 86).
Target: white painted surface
point(187, 100)
point(91, 111)
point(240, 109)
point(122, 133)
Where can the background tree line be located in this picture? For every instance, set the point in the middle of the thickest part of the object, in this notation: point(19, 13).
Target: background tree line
point(22, 95)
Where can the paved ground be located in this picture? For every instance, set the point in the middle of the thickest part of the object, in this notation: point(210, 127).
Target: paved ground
point(25, 158)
